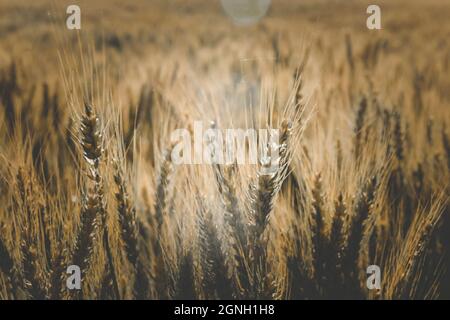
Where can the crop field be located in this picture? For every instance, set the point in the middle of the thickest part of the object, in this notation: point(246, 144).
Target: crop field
point(115, 184)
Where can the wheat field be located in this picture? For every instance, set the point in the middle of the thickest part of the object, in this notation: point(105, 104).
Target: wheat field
point(87, 177)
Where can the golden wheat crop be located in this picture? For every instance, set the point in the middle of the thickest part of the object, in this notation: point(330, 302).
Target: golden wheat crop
point(87, 178)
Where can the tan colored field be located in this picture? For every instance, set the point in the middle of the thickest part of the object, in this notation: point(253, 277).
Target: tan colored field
point(88, 176)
